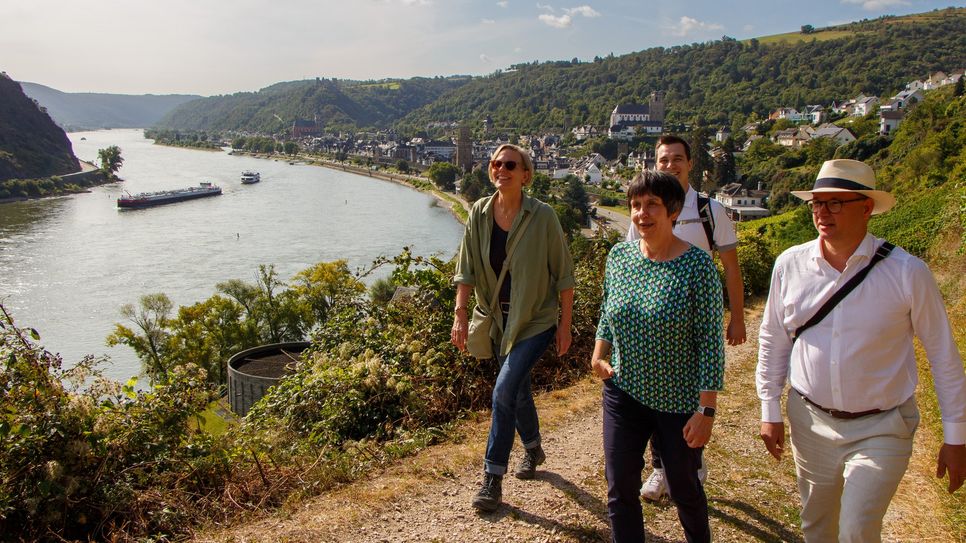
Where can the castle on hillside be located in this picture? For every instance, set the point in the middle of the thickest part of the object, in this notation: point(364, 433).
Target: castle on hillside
point(630, 120)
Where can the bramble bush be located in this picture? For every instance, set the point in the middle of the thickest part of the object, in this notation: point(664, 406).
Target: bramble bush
point(81, 456)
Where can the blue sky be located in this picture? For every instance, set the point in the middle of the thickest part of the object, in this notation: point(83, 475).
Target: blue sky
point(217, 47)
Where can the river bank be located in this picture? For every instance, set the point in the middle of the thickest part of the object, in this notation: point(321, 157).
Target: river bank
point(63, 185)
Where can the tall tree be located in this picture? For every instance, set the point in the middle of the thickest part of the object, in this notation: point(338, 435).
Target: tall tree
point(443, 175)
point(575, 197)
point(724, 164)
point(700, 156)
point(111, 159)
point(150, 337)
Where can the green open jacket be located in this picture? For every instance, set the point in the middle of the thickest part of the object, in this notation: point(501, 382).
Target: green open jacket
point(540, 265)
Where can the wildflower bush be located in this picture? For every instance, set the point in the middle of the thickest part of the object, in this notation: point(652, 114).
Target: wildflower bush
point(81, 461)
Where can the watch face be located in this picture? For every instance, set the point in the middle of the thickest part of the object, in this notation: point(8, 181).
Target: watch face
point(707, 411)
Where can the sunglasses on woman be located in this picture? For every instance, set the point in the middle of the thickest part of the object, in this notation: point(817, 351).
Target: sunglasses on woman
point(510, 164)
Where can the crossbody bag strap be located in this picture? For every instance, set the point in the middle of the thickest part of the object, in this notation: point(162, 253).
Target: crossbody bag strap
point(707, 219)
point(880, 253)
point(506, 261)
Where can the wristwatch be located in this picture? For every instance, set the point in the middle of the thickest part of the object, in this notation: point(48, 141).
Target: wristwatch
point(706, 411)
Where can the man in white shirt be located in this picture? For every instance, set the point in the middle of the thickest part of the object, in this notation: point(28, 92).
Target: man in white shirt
point(674, 156)
point(851, 408)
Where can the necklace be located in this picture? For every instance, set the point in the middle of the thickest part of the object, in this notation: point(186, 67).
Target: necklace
point(507, 214)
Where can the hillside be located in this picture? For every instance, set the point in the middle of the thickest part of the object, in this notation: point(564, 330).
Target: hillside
point(715, 81)
point(31, 145)
point(88, 111)
point(337, 104)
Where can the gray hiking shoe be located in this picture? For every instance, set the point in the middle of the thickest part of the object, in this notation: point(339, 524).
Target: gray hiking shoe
point(528, 466)
point(490, 494)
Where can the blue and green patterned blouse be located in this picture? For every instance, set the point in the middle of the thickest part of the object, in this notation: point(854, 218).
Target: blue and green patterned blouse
point(664, 323)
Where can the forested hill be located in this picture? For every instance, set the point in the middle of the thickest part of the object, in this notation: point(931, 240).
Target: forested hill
point(31, 144)
point(88, 111)
point(714, 81)
point(336, 104)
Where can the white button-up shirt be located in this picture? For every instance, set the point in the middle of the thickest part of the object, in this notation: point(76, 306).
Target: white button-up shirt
point(861, 355)
point(689, 228)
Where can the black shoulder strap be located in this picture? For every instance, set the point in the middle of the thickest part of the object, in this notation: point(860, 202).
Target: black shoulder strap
point(882, 252)
point(707, 219)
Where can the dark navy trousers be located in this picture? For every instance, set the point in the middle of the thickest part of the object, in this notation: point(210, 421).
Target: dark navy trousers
point(628, 424)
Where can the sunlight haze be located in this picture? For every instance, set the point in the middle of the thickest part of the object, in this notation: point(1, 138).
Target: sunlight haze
point(206, 47)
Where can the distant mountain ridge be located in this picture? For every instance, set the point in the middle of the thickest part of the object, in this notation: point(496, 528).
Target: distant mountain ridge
point(31, 144)
point(88, 111)
point(336, 104)
point(712, 81)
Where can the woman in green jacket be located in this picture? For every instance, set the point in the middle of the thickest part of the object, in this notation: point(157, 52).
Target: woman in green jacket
point(537, 290)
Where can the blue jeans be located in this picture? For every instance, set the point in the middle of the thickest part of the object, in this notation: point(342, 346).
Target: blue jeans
point(513, 406)
point(628, 424)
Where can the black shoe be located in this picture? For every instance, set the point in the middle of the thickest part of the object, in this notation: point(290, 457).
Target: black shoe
point(528, 466)
point(490, 494)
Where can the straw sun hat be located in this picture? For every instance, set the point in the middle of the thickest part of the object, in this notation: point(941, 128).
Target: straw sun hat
point(844, 175)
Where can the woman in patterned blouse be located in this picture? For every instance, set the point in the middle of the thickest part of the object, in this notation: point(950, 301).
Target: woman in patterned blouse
point(660, 352)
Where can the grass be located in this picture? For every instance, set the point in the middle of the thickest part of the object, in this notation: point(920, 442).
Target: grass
point(623, 210)
point(796, 37)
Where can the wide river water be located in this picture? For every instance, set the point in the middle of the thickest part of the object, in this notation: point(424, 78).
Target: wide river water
point(68, 264)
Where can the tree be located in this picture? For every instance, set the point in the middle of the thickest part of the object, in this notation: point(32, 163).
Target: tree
point(402, 166)
point(724, 165)
point(150, 339)
point(539, 187)
point(575, 197)
point(808, 29)
point(321, 288)
point(443, 175)
point(569, 219)
point(111, 159)
point(291, 148)
point(475, 185)
point(700, 156)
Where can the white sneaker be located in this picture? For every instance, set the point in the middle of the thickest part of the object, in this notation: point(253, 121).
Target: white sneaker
point(655, 486)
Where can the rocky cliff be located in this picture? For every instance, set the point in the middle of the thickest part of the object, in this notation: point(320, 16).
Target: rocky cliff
point(31, 144)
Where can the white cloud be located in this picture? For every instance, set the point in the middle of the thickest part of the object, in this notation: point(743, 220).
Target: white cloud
point(488, 21)
point(417, 2)
point(503, 3)
point(485, 58)
point(688, 25)
point(748, 28)
point(584, 10)
point(876, 5)
point(567, 19)
point(562, 21)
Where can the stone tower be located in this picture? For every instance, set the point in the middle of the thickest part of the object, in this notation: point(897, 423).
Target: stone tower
point(656, 106)
point(464, 149)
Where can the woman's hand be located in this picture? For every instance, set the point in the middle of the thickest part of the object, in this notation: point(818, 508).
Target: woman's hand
point(697, 432)
point(564, 338)
point(457, 335)
point(602, 368)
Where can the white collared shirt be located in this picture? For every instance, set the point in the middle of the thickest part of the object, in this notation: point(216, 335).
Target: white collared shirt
point(861, 355)
point(690, 229)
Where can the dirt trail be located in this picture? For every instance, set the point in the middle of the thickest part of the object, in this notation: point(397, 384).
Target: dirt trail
point(427, 497)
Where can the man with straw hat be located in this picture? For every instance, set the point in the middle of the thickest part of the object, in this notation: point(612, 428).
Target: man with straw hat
point(851, 365)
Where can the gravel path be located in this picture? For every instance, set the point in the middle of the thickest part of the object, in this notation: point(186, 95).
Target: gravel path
point(427, 497)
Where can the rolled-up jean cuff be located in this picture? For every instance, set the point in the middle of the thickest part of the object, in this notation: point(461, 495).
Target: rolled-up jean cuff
point(532, 444)
point(494, 469)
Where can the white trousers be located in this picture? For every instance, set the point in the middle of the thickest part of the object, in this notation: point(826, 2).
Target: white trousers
point(848, 469)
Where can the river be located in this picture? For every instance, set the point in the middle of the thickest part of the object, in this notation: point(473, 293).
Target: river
point(68, 264)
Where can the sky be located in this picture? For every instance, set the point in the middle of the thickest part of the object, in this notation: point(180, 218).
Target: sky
point(211, 47)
